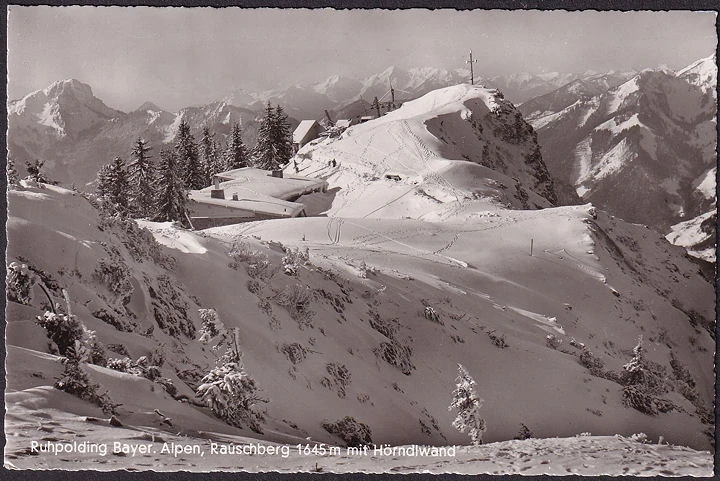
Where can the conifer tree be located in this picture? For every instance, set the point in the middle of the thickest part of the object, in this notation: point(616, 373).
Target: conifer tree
point(104, 181)
point(208, 152)
point(643, 384)
point(236, 154)
point(35, 173)
point(274, 142)
point(188, 157)
point(120, 187)
point(467, 403)
point(113, 182)
point(170, 204)
point(74, 380)
point(18, 283)
point(12, 173)
point(265, 151)
point(141, 174)
point(230, 392)
point(282, 136)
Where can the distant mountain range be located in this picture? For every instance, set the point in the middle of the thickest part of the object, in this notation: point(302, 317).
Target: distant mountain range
point(76, 133)
point(643, 147)
point(336, 92)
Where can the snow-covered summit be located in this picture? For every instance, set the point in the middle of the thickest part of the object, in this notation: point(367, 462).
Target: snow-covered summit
point(78, 89)
point(702, 73)
point(447, 148)
point(149, 106)
point(66, 107)
point(338, 88)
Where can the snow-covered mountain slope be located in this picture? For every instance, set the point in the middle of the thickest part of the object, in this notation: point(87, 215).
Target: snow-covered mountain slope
point(697, 235)
point(338, 88)
point(75, 133)
point(45, 121)
point(66, 108)
point(390, 307)
point(540, 110)
point(523, 86)
point(430, 159)
point(702, 73)
point(642, 150)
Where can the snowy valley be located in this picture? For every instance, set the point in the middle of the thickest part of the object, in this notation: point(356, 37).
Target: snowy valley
point(442, 239)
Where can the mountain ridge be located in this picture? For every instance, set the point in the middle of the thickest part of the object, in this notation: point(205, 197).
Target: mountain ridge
point(639, 149)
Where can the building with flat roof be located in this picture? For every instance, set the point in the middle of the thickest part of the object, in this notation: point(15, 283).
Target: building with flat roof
point(250, 194)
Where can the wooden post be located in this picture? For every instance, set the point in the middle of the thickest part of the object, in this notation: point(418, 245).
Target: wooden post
point(531, 246)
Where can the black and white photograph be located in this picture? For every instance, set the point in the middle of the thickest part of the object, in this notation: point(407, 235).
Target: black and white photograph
point(318, 240)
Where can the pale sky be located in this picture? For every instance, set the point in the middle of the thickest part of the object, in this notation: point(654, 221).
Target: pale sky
point(178, 57)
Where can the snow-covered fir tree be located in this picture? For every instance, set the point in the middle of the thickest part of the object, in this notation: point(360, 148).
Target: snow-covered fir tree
point(141, 174)
point(113, 183)
point(230, 392)
point(209, 154)
point(171, 196)
point(18, 283)
point(264, 153)
point(211, 326)
point(467, 403)
point(74, 380)
point(62, 329)
point(236, 155)
point(635, 368)
point(274, 140)
point(35, 174)
point(644, 385)
point(12, 174)
point(103, 181)
point(189, 158)
point(282, 136)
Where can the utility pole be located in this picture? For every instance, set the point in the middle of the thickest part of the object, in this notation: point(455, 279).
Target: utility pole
point(471, 62)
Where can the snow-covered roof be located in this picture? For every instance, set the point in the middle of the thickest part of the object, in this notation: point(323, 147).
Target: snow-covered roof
point(343, 123)
point(258, 191)
point(303, 129)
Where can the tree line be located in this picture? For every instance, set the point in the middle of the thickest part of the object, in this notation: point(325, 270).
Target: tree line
point(144, 188)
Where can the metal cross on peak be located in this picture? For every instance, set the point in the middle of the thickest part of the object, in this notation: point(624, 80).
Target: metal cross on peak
point(471, 62)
